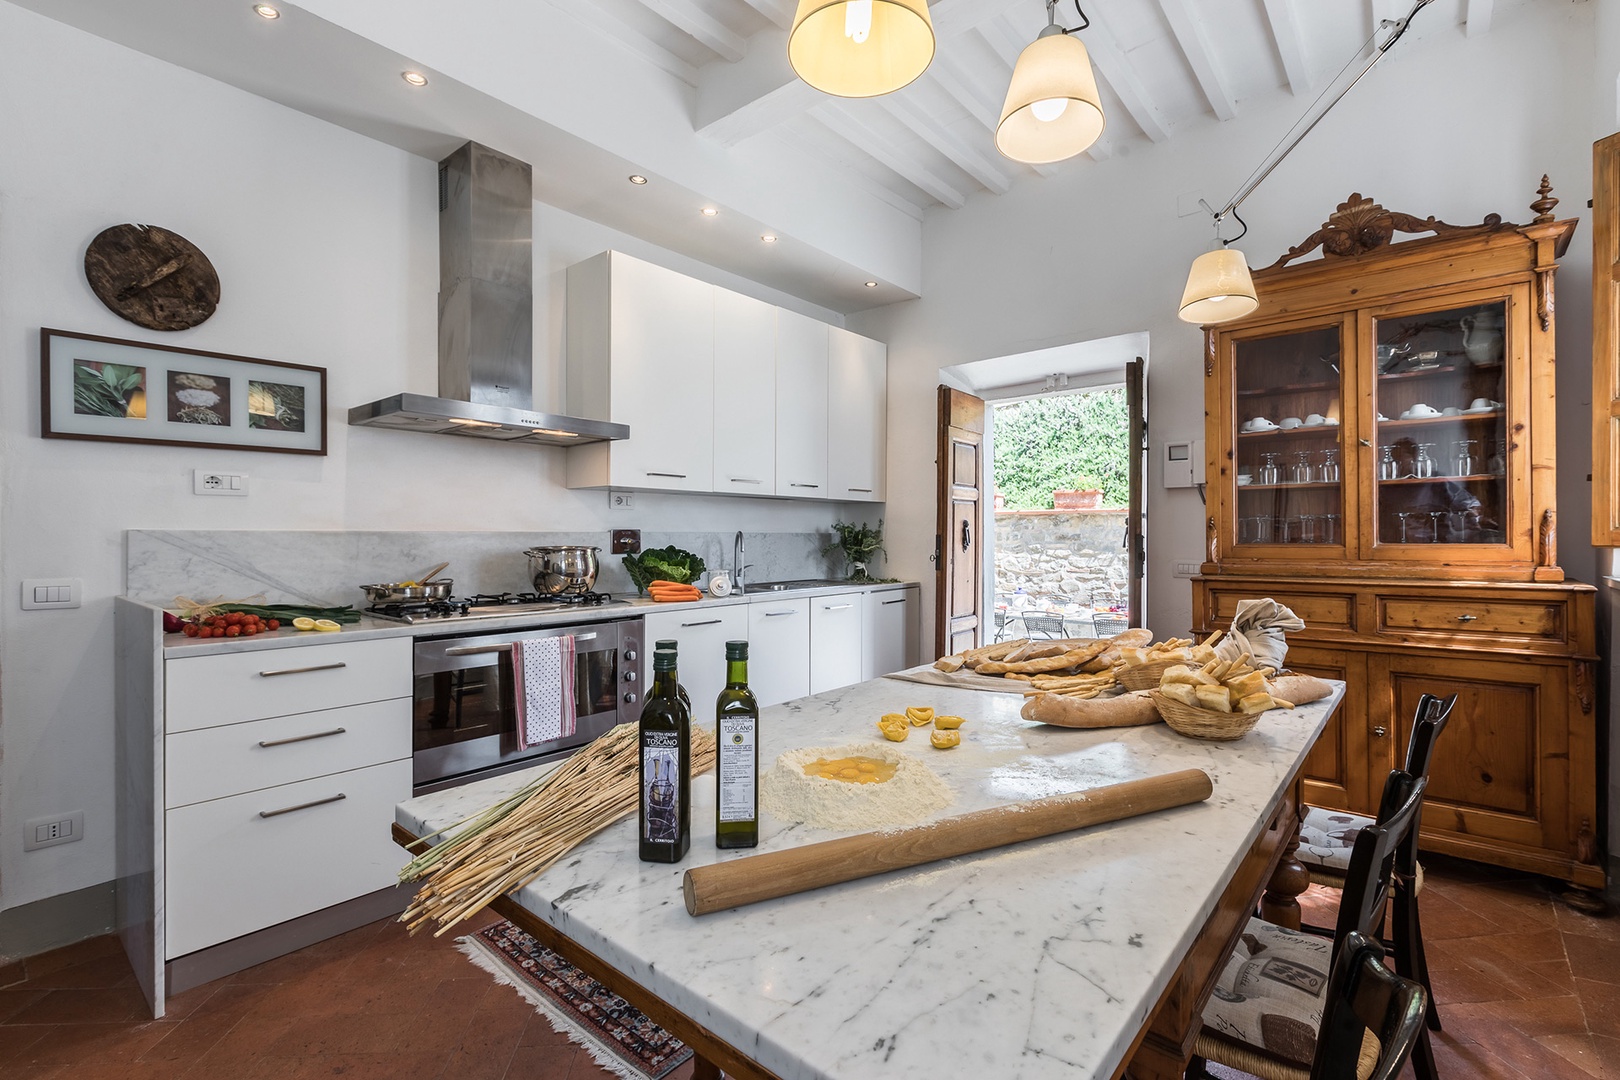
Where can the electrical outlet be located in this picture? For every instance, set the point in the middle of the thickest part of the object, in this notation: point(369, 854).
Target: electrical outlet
point(60, 592)
point(1186, 569)
point(621, 500)
point(206, 482)
point(49, 831)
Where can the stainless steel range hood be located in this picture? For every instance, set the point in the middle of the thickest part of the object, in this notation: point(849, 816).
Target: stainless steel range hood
point(486, 316)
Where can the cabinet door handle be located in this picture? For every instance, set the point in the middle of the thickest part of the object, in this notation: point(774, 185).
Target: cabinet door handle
point(1380, 731)
point(1365, 443)
point(864, 491)
point(671, 475)
point(835, 607)
point(302, 738)
point(805, 485)
point(303, 805)
point(505, 646)
point(744, 480)
point(1467, 618)
point(302, 670)
point(886, 603)
point(774, 614)
point(705, 622)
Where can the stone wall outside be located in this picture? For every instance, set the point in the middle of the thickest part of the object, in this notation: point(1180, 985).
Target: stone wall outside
point(1060, 560)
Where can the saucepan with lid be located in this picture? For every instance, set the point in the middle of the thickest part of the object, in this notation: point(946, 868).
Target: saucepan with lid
point(563, 569)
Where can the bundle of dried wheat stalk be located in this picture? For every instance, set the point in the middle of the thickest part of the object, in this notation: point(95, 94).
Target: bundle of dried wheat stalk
point(507, 846)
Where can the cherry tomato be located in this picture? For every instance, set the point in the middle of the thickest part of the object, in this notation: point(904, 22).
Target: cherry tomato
point(190, 630)
point(273, 624)
point(233, 631)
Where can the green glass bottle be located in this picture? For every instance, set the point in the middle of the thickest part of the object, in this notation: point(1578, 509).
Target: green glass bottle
point(736, 806)
point(666, 766)
point(669, 645)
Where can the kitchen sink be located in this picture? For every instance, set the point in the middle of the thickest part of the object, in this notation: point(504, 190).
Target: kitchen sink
point(784, 586)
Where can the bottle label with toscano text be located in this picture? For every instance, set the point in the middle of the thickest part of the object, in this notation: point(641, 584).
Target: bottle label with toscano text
point(738, 767)
point(660, 763)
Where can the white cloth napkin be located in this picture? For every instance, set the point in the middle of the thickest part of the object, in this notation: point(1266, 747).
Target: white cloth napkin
point(543, 674)
point(1257, 631)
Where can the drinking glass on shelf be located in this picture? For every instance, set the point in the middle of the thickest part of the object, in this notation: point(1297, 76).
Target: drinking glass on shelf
point(1423, 467)
point(1467, 462)
point(1435, 517)
point(1329, 532)
point(1327, 469)
point(1270, 469)
point(1388, 467)
point(1309, 528)
point(1412, 522)
point(1301, 473)
point(1260, 531)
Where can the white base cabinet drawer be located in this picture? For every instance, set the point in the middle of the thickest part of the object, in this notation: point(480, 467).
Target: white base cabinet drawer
point(835, 641)
point(216, 762)
point(778, 650)
point(231, 870)
point(701, 634)
point(228, 688)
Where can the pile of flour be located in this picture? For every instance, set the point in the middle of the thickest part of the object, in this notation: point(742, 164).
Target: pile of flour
point(911, 795)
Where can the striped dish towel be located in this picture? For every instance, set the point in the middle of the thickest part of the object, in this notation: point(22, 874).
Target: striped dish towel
point(543, 673)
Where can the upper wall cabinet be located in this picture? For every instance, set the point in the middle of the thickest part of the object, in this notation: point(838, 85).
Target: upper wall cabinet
point(640, 350)
point(722, 393)
point(857, 417)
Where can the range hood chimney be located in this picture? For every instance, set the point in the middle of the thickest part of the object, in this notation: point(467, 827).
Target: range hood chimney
point(486, 315)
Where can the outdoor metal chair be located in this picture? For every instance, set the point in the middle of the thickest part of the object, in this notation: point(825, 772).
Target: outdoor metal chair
point(1048, 626)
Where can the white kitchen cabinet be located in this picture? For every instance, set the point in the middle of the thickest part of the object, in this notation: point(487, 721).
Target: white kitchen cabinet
point(801, 405)
point(778, 650)
point(857, 417)
point(835, 641)
point(701, 634)
point(640, 348)
point(891, 633)
point(744, 394)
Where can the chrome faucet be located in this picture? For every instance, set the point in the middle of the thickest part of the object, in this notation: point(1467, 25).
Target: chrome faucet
point(738, 551)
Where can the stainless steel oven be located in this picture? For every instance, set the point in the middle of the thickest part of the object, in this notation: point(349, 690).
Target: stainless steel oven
point(464, 699)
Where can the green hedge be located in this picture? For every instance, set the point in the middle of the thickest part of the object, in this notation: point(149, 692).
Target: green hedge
point(1071, 441)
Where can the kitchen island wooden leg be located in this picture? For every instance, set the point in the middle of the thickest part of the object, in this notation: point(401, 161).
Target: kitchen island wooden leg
point(1280, 904)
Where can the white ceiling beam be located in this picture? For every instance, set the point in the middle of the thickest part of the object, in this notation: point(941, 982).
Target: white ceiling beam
point(963, 154)
point(1001, 40)
point(1477, 19)
point(779, 12)
point(740, 100)
point(1115, 67)
point(1290, 44)
point(881, 150)
point(630, 38)
point(952, 17)
point(1188, 29)
point(689, 18)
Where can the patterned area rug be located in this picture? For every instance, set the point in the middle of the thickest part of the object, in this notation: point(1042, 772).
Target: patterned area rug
point(618, 1035)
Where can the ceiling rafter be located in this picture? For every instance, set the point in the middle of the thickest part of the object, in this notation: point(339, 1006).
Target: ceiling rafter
point(800, 141)
point(1113, 65)
point(882, 150)
point(1285, 33)
point(630, 38)
point(690, 18)
point(779, 12)
point(963, 154)
point(1001, 40)
point(1477, 17)
point(740, 100)
point(948, 75)
point(1187, 26)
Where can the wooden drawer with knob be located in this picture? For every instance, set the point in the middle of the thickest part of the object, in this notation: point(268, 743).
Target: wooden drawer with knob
point(1496, 617)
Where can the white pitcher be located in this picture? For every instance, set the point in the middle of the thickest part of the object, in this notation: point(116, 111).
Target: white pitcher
point(1482, 336)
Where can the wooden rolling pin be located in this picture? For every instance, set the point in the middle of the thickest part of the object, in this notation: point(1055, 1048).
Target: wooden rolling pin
point(782, 873)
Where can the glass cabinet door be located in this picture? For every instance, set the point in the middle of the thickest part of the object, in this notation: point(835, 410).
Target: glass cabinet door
point(1440, 441)
point(1288, 460)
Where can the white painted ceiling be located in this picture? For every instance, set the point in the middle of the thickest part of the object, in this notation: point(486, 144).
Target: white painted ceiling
point(697, 95)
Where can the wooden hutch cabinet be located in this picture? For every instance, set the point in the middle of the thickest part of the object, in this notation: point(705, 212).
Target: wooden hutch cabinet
point(1381, 459)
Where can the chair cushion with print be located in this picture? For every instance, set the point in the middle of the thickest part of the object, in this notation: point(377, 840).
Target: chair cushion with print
point(1272, 991)
point(1326, 837)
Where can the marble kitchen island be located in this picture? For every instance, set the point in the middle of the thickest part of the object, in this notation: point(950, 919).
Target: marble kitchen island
point(1040, 960)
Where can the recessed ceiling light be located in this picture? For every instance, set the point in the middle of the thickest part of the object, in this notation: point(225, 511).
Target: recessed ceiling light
point(708, 211)
point(415, 78)
point(769, 238)
point(265, 11)
point(871, 284)
point(637, 178)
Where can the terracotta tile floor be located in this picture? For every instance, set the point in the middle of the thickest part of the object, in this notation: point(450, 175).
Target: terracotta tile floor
point(1529, 990)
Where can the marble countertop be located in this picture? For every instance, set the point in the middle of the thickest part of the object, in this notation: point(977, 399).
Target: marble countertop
point(1040, 960)
point(176, 645)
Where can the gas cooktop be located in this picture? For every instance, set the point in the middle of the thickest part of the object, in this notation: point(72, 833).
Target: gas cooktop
point(488, 606)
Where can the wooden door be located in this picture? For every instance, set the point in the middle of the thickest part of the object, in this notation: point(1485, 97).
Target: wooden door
point(959, 593)
point(1606, 342)
point(1136, 514)
point(1337, 774)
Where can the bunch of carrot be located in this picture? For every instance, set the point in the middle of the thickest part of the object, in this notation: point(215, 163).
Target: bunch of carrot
point(666, 592)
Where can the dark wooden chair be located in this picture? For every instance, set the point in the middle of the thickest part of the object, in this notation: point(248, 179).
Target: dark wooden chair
point(1267, 1014)
point(1366, 998)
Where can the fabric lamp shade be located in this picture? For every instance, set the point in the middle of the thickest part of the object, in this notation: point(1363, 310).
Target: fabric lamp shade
point(1052, 109)
point(860, 48)
point(1219, 288)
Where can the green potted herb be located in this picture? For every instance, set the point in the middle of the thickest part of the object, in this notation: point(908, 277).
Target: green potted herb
point(858, 543)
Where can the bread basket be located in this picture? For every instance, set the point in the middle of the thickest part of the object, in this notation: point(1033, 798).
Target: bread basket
point(1147, 676)
point(1203, 723)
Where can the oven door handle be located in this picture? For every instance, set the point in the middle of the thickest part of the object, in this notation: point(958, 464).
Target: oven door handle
point(470, 650)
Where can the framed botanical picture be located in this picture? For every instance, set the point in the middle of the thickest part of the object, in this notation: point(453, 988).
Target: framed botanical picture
point(130, 391)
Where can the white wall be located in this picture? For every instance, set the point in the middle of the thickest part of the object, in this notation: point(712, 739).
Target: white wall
point(1455, 127)
point(327, 248)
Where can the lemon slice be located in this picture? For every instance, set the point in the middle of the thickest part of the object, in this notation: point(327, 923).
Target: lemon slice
point(327, 625)
point(302, 623)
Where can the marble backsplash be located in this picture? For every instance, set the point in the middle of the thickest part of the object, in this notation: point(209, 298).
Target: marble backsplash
point(326, 568)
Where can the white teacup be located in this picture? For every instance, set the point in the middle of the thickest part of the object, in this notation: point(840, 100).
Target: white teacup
point(1421, 409)
point(1291, 422)
point(1480, 403)
point(1316, 419)
point(1244, 480)
point(1451, 411)
point(1259, 423)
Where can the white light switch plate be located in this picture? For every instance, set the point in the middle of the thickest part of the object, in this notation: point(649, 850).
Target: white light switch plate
point(621, 500)
point(1186, 569)
point(209, 482)
point(56, 592)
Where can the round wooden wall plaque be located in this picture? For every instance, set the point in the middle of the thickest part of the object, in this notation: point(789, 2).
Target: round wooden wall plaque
point(152, 277)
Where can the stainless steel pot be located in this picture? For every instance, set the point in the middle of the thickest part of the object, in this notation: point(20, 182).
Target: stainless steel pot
point(563, 570)
point(396, 593)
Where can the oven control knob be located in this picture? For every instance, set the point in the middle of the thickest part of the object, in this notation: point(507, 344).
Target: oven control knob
point(629, 676)
point(629, 654)
point(630, 698)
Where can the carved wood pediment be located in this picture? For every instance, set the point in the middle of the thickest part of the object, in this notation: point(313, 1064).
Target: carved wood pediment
point(1359, 225)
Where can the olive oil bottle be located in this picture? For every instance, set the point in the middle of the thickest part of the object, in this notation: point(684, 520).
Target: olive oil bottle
point(736, 822)
point(669, 645)
point(666, 766)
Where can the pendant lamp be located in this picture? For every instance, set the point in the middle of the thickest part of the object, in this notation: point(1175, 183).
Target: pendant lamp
point(860, 48)
point(1219, 288)
point(1053, 110)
